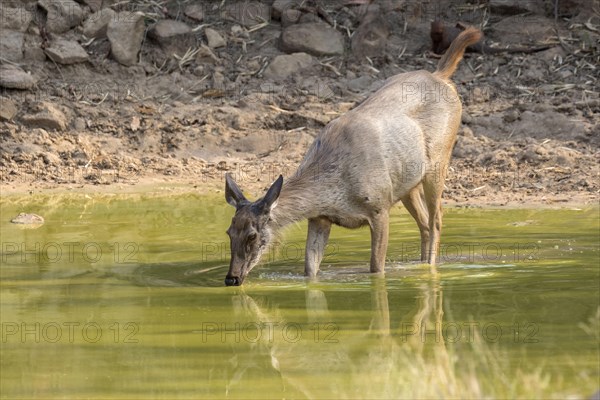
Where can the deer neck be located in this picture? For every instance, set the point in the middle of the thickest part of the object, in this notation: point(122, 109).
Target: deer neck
point(299, 199)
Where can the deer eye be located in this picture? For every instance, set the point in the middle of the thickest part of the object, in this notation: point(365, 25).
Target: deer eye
point(252, 237)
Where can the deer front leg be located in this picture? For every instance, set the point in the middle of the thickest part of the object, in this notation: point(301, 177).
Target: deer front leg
point(316, 240)
point(379, 240)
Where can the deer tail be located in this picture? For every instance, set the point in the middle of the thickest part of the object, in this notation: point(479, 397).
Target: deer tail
point(455, 52)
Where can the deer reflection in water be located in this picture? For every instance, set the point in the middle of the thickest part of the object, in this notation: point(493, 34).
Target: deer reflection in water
point(377, 362)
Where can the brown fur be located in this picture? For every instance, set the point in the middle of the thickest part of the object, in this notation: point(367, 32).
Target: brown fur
point(395, 146)
point(442, 36)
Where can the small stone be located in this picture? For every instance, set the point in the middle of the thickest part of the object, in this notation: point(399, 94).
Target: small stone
point(79, 124)
point(195, 12)
point(28, 218)
point(15, 19)
point(466, 117)
point(97, 23)
point(286, 65)
point(48, 116)
point(314, 38)
point(66, 52)
point(61, 15)
point(12, 77)
point(359, 84)
point(479, 95)
point(8, 109)
point(125, 34)
point(11, 45)
point(214, 39)
point(511, 116)
point(50, 158)
point(174, 37)
point(238, 31)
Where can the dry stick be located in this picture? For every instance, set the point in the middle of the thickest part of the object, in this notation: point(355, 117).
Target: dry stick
point(560, 39)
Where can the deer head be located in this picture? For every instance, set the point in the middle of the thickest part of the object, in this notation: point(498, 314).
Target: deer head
point(250, 231)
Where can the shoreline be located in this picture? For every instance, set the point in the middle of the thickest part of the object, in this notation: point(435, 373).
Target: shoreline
point(159, 186)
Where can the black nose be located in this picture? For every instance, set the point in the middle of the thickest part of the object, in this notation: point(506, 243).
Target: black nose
point(232, 281)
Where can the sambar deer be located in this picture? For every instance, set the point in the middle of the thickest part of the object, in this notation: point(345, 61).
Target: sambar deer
point(395, 146)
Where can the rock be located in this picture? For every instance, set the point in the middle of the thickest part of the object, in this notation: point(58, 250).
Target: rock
point(238, 31)
point(314, 38)
point(34, 54)
point(290, 17)
point(8, 109)
point(195, 12)
point(79, 124)
point(512, 7)
point(479, 95)
point(174, 37)
point(247, 13)
point(522, 29)
point(206, 55)
point(26, 218)
point(94, 5)
point(50, 158)
point(61, 15)
point(11, 45)
point(97, 23)
point(280, 7)
point(66, 52)
point(370, 38)
point(15, 19)
point(12, 77)
point(510, 116)
point(214, 38)
point(359, 84)
point(546, 124)
point(47, 116)
point(125, 33)
point(309, 17)
point(317, 87)
point(285, 65)
point(466, 117)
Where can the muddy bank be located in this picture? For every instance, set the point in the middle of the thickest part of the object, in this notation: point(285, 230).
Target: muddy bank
point(218, 89)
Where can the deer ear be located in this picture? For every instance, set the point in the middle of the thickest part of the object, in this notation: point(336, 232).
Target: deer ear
point(270, 199)
point(233, 194)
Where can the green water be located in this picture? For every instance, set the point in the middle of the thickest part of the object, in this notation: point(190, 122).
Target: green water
point(123, 297)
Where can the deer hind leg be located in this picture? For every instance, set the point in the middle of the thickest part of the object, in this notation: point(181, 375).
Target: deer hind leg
point(433, 185)
point(316, 240)
point(379, 240)
point(414, 202)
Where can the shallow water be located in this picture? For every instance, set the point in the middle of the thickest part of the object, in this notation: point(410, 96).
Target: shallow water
point(123, 297)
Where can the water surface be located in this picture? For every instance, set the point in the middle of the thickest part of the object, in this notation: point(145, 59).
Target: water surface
point(121, 296)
